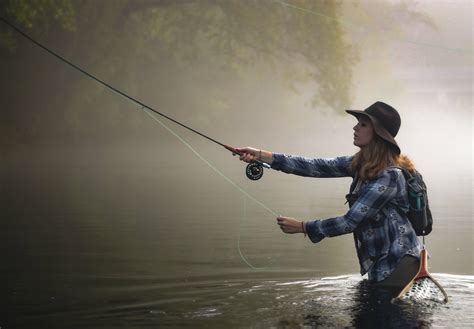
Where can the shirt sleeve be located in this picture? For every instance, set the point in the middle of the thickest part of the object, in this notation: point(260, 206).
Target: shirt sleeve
point(374, 196)
point(301, 166)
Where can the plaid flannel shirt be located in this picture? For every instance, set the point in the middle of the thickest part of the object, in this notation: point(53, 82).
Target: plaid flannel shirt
point(382, 235)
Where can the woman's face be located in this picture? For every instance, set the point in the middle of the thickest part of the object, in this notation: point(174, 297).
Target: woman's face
point(363, 132)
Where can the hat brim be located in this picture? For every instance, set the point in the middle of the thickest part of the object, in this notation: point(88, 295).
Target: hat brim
point(379, 129)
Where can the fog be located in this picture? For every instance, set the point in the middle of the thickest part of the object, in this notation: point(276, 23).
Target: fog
point(68, 154)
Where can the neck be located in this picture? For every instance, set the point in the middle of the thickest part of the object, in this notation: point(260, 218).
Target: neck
point(365, 152)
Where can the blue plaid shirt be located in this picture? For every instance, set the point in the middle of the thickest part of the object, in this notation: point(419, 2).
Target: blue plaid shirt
point(382, 235)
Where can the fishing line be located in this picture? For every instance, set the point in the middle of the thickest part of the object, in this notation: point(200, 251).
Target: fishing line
point(149, 111)
point(209, 164)
point(313, 12)
point(245, 194)
point(244, 215)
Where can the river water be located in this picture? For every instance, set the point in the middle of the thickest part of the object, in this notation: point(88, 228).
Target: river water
point(107, 237)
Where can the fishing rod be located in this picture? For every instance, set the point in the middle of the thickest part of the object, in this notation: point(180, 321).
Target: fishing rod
point(254, 169)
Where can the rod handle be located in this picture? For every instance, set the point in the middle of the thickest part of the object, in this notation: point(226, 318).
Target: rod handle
point(233, 150)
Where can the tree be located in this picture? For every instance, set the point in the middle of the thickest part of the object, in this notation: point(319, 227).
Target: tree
point(300, 41)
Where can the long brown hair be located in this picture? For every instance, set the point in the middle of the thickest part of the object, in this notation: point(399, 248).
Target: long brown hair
point(378, 155)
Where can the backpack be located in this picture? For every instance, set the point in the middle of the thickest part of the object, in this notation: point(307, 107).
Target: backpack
point(419, 212)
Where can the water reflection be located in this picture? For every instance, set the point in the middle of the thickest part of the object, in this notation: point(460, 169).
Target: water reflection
point(373, 307)
point(346, 302)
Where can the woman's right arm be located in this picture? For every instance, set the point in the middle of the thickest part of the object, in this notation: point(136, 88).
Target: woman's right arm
point(301, 166)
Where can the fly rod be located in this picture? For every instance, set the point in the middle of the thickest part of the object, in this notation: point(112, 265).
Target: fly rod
point(254, 170)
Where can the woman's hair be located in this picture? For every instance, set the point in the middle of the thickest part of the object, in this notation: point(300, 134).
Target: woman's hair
point(377, 156)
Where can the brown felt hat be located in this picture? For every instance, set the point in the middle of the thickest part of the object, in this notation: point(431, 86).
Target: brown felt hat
point(385, 119)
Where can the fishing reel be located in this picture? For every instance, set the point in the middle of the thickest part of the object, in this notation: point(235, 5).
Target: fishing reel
point(254, 170)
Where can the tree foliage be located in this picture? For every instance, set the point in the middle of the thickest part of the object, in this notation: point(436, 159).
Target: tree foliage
point(133, 42)
point(238, 33)
point(37, 15)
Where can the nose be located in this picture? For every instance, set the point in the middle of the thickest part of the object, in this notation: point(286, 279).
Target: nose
point(356, 127)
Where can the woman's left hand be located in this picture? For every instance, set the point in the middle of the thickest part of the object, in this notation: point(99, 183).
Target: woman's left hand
point(290, 225)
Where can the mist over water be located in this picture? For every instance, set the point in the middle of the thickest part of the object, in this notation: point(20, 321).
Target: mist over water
point(128, 226)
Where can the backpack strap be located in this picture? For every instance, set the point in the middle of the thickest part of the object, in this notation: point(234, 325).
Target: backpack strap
point(405, 172)
point(354, 185)
point(400, 211)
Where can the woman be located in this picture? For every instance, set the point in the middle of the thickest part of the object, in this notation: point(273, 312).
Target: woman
point(386, 244)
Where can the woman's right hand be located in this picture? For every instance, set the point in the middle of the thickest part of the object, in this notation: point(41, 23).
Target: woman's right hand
point(249, 154)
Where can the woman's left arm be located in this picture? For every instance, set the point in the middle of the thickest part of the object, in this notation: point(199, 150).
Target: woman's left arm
point(373, 198)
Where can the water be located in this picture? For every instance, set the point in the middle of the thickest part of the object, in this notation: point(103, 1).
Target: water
point(237, 301)
point(105, 238)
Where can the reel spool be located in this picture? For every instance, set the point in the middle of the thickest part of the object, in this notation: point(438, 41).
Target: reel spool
point(254, 171)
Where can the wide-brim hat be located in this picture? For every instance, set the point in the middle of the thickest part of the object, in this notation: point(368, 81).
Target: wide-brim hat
point(385, 120)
